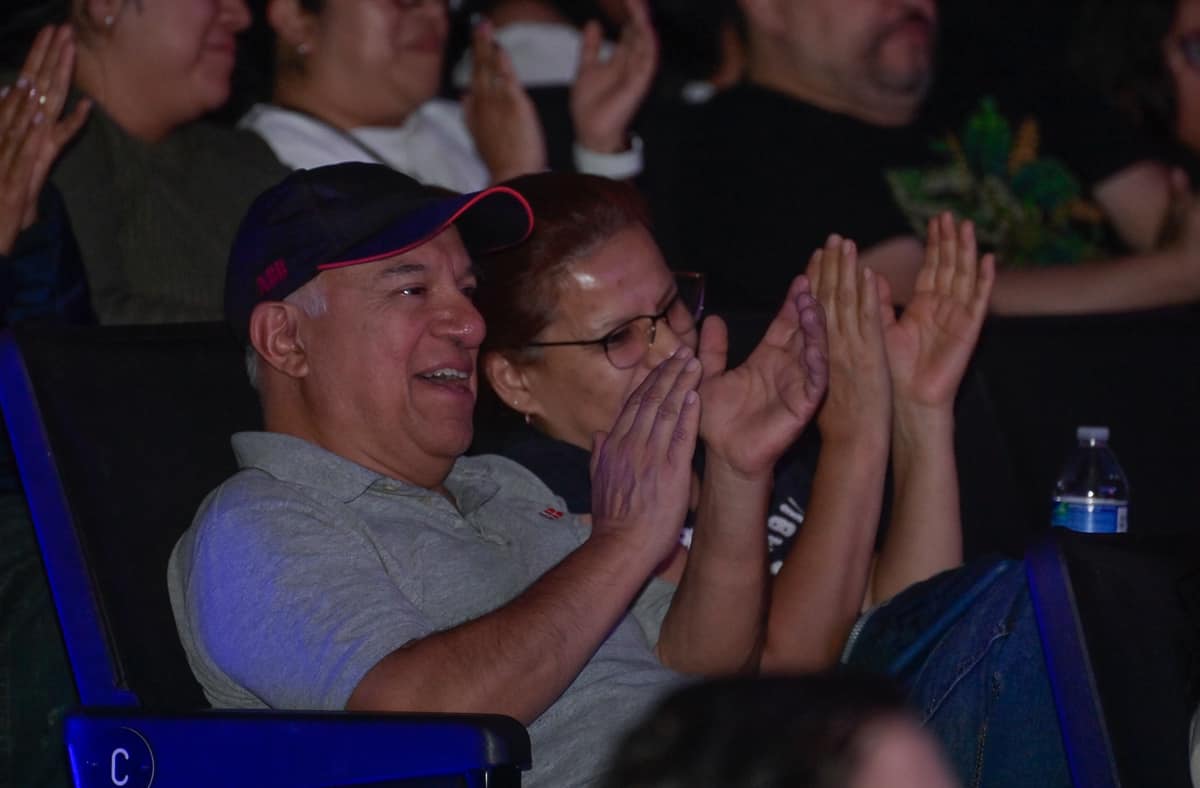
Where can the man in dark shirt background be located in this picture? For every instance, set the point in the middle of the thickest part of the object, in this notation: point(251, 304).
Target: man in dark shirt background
point(747, 185)
point(763, 172)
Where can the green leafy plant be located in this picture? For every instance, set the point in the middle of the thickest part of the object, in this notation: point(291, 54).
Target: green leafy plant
point(1029, 210)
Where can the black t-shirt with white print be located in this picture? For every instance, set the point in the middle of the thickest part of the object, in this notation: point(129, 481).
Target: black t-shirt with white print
point(565, 469)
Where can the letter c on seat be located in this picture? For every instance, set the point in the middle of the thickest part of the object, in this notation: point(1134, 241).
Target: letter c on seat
point(123, 753)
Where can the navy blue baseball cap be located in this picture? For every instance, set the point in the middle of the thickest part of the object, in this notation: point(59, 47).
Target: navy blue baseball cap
point(346, 214)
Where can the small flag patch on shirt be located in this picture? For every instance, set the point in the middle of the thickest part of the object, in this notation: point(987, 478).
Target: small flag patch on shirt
point(550, 513)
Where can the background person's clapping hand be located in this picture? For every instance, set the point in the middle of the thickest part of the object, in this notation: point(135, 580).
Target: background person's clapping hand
point(32, 129)
point(608, 91)
point(499, 113)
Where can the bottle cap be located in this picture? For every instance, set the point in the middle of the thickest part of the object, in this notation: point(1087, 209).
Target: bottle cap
point(1092, 433)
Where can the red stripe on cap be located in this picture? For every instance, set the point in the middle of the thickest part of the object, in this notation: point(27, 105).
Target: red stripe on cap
point(441, 228)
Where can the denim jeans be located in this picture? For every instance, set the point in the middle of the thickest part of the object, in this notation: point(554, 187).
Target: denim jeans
point(965, 646)
point(36, 687)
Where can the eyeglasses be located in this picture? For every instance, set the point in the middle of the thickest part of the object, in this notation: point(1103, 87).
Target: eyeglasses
point(626, 345)
point(1189, 47)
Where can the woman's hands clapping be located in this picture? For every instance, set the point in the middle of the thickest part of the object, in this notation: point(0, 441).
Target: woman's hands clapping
point(753, 413)
point(33, 130)
point(642, 468)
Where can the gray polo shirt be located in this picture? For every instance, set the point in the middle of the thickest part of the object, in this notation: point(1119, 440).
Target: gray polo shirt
point(304, 569)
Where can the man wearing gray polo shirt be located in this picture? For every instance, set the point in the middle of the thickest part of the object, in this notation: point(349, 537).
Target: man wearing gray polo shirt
point(358, 561)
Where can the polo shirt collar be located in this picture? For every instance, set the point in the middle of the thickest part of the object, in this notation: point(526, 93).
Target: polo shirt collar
point(298, 461)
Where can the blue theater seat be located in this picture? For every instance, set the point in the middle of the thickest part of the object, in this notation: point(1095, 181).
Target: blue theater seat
point(1119, 619)
point(119, 432)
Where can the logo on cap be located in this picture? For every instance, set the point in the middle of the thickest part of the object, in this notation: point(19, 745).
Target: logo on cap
point(275, 273)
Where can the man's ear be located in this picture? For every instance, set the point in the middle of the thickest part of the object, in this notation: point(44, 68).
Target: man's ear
point(275, 334)
point(510, 383)
point(295, 26)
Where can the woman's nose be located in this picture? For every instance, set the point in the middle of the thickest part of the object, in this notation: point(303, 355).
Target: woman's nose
point(665, 342)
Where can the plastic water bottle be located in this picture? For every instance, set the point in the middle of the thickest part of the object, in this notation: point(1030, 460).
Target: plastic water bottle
point(1092, 493)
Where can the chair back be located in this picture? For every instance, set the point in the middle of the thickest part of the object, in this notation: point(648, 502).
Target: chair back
point(1119, 618)
point(119, 433)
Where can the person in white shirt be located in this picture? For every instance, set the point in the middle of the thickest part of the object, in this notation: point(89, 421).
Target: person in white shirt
point(356, 80)
point(544, 38)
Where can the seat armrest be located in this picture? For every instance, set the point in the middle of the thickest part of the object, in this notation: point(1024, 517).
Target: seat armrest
point(133, 749)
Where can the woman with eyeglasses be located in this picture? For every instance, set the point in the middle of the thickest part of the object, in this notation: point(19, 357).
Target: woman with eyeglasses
point(586, 308)
point(1182, 58)
point(1146, 57)
point(581, 313)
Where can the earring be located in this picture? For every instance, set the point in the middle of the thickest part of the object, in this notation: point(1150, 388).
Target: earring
point(528, 419)
point(303, 48)
point(108, 20)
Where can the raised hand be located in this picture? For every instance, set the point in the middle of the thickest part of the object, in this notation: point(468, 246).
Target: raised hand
point(607, 93)
point(753, 413)
point(642, 469)
point(32, 131)
point(858, 403)
point(499, 113)
point(931, 343)
point(1181, 212)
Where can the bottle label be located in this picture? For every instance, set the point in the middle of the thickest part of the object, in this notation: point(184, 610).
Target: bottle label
point(1091, 515)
